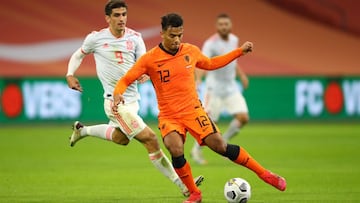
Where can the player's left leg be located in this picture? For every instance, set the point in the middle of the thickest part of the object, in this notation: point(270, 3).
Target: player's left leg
point(238, 122)
point(240, 156)
point(197, 155)
point(236, 105)
point(174, 142)
point(148, 138)
point(103, 131)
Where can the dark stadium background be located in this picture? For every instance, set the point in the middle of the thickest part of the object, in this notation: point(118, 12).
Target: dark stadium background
point(296, 42)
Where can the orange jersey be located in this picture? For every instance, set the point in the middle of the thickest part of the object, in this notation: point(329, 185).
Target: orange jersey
point(173, 76)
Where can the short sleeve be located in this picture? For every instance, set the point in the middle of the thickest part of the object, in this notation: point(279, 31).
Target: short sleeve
point(140, 47)
point(89, 43)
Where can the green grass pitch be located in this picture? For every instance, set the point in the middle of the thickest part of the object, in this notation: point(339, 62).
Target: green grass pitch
point(321, 163)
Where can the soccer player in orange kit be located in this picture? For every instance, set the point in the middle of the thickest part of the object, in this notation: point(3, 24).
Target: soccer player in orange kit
point(171, 66)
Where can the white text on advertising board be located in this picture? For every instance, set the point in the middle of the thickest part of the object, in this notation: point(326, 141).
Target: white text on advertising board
point(313, 97)
point(50, 100)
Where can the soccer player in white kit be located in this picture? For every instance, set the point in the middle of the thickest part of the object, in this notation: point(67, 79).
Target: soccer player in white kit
point(222, 91)
point(115, 50)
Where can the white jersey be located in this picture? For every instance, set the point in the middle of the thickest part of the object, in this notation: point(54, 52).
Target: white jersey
point(221, 82)
point(114, 57)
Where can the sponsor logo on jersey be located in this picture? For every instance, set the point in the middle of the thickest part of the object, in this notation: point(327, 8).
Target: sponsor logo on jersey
point(129, 45)
point(134, 124)
point(160, 64)
point(187, 58)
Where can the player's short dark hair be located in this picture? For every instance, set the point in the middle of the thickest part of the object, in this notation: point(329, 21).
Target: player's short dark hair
point(111, 4)
point(223, 15)
point(171, 20)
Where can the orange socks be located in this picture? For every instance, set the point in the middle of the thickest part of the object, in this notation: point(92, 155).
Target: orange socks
point(246, 160)
point(187, 178)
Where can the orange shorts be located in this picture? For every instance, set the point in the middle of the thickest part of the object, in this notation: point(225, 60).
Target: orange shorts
point(198, 124)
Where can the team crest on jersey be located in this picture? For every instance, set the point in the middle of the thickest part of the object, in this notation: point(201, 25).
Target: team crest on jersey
point(106, 45)
point(129, 45)
point(187, 58)
point(134, 124)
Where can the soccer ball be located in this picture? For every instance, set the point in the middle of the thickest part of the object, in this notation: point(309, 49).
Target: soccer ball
point(237, 190)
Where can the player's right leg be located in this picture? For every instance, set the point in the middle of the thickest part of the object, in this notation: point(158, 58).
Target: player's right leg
point(174, 142)
point(148, 138)
point(132, 125)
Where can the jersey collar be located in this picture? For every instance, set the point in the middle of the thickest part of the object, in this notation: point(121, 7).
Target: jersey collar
point(162, 48)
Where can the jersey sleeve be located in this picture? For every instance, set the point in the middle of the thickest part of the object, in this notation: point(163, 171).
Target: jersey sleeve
point(140, 48)
point(88, 44)
point(218, 61)
point(138, 69)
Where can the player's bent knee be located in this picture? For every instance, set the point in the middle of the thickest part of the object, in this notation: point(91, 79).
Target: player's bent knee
point(243, 118)
point(152, 141)
point(216, 143)
point(175, 150)
point(119, 138)
point(148, 138)
point(174, 143)
point(151, 136)
point(220, 149)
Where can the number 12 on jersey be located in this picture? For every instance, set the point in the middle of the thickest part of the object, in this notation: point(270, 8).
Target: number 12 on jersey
point(164, 75)
point(203, 121)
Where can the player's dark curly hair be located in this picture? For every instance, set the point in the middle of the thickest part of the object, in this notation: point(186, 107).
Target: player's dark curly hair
point(171, 20)
point(111, 4)
point(223, 15)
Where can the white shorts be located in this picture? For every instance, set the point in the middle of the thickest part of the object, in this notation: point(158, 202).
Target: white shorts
point(127, 118)
point(233, 104)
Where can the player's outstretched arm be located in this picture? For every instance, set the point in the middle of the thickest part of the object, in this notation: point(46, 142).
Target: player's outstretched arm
point(247, 47)
point(221, 61)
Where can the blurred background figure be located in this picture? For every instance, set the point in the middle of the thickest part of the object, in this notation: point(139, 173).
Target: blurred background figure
point(221, 89)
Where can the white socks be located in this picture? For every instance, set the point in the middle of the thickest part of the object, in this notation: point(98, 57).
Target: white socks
point(196, 146)
point(232, 130)
point(162, 163)
point(102, 131)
